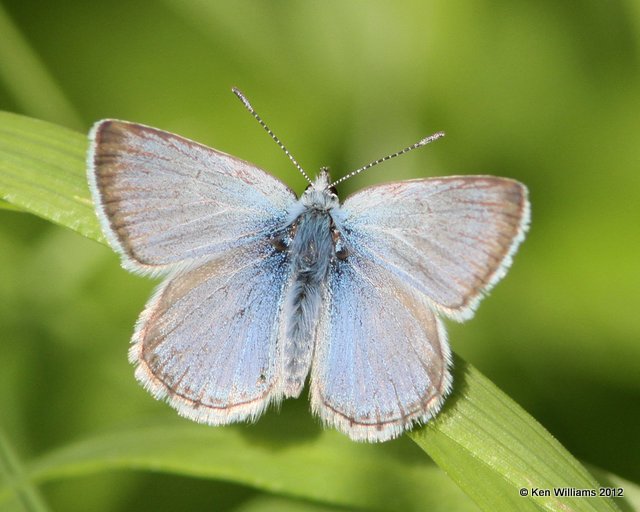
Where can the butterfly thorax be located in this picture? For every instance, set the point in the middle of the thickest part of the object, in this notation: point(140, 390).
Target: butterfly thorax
point(312, 249)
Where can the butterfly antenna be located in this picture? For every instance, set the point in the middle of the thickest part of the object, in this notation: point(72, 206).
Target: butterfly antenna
point(418, 144)
point(248, 106)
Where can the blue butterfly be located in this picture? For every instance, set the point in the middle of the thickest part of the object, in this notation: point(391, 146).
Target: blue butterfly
point(263, 289)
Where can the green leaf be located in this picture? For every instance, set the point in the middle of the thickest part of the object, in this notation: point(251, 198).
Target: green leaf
point(42, 170)
point(493, 449)
point(328, 468)
point(8, 206)
point(483, 440)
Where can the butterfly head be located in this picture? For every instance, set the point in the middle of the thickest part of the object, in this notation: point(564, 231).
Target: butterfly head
point(320, 195)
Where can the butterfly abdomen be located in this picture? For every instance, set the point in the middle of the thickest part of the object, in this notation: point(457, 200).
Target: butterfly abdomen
point(312, 251)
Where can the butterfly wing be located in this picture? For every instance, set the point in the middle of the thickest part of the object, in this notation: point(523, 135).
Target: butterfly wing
point(163, 199)
point(207, 339)
point(382, 357)
point(451, 238)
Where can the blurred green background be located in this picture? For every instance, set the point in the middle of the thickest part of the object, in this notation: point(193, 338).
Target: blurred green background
point(544, 92)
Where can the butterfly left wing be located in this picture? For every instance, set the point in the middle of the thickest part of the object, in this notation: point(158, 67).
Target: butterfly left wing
point(381, 359)
point(164, 201)
point(207, 340)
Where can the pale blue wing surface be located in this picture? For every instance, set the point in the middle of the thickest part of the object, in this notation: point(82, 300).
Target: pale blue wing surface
point(163, 199)
point(207, 340)
point(451, 238)
point(382, 357)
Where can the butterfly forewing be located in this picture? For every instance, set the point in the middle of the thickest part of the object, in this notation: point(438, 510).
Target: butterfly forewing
point(451, 238)
point(208, 339)
point(381, 360)
point(164, 199)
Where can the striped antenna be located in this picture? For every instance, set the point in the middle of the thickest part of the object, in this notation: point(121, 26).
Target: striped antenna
point(418, 144)
point(248, 106)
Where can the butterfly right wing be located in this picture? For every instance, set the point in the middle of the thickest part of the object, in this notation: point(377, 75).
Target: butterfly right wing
point(207, 340)
point(164, 200)
point(452, 238)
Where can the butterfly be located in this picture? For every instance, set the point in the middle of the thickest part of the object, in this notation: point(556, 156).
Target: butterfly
point(263, 290)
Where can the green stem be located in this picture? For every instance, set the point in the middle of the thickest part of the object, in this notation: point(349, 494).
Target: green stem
point(11, 470)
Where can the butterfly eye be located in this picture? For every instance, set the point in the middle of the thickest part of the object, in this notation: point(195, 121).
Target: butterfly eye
point(334, 191)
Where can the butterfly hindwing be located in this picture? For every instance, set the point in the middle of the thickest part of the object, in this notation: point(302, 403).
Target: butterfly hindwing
point(381, 360)
point(207, 340)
